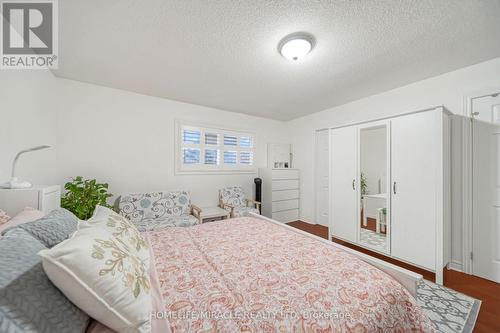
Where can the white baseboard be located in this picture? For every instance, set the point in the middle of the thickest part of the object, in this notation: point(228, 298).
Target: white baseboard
point(455, 265)
point(305, 220)
point(309, 222)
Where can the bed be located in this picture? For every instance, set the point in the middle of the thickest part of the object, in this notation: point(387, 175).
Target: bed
point(253, 274)
point(248, 274)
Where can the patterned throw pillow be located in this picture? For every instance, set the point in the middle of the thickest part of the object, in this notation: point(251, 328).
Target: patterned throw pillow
point(104, 276)
point(120, 227)
point(233, 196)
point(29, 302)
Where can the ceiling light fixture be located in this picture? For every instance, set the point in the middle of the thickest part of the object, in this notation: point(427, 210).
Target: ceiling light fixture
point(296, 46)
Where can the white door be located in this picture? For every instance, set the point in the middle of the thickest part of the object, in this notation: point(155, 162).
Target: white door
point(344, 191)
point(486, 188)
point(414, 140)
point(322, 176)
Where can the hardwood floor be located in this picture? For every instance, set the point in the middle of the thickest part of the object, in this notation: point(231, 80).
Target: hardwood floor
point(371, 224)
point(488, 292)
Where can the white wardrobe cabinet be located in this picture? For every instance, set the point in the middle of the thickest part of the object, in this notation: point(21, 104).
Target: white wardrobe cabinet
point(344, 187)
point(415, 217)
point(417, 178)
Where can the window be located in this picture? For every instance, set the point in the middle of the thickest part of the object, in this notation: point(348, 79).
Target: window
point(191, 155)
point(190, 136)
point(230, 157)
point(212, 156)
point(230, 140)
point(212, 139)
point(246, 141)
point(208, 149)
point(246, 157)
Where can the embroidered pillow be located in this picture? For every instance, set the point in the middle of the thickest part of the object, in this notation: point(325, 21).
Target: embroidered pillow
point(120, 227)
point(104, 276)
point(158, 323)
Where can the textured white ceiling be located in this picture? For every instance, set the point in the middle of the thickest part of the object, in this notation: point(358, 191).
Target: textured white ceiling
point(223, 53)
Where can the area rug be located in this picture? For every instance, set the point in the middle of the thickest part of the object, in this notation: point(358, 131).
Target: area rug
point(450, 310)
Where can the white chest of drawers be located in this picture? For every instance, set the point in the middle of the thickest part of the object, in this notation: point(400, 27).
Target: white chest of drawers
point(44, 198)
point(280, 194)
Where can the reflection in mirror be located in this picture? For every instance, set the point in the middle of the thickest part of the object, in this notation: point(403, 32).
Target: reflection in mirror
point(373, 180)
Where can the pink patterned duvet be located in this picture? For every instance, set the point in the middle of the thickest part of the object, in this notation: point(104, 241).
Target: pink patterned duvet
point(250, 275)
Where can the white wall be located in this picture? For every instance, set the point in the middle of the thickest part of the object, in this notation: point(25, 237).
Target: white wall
point(122, 138)
point(27, 119)
point(127, 139)
point(448, 90)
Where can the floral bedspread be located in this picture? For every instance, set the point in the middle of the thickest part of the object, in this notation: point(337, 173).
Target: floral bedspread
point(250, 275)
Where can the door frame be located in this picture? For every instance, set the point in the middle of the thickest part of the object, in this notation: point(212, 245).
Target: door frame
point(315, 173)
point(467, 177)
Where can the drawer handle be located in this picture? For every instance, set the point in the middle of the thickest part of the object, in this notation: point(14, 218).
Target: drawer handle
point(354, 184)
point(394, 187)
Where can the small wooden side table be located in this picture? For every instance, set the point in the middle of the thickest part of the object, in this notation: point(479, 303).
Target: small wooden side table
point(209, 214)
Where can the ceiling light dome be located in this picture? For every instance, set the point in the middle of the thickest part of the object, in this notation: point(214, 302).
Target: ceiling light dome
point(296, 46)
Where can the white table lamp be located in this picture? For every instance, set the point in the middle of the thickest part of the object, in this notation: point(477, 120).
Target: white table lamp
point(14, 183)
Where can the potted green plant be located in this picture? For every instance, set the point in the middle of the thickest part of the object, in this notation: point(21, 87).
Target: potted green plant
point(364, 185)
point(83, 195)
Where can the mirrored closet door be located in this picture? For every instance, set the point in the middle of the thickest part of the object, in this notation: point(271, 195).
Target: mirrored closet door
point(374, 193)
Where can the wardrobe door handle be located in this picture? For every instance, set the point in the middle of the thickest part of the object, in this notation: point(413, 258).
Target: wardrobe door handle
point(394, 187)
point(354, 184)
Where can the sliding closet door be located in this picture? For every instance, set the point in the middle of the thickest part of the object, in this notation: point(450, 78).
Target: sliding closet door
point(345, 204)
point(415, 141)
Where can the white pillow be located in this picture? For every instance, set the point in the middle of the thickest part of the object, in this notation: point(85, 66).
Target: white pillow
point(104, 276)
point(120, 227)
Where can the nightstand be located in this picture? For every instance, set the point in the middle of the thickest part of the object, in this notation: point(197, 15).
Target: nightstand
point(210, 214)
point(41, 197)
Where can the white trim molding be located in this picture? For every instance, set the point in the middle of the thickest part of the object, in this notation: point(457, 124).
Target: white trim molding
point(467, 177)
point(315, 175)
point(455, 265)
point(467, 186)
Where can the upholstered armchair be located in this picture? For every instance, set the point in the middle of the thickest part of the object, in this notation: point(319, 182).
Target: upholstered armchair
point(154, 210)
point(233, 200)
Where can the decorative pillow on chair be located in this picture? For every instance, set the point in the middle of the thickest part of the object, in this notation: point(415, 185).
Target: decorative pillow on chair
point(233, 196)
point(104, 276)
point(120, 227)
